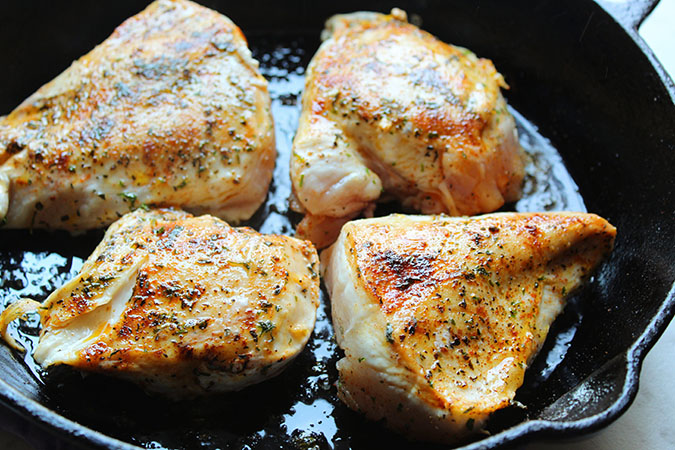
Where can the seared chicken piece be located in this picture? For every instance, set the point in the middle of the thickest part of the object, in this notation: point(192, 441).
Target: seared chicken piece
point(169, 110)
point(439, 317)
point(391, 111)
point(182, 305)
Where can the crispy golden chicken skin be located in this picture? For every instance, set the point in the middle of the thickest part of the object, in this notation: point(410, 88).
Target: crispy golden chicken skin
point(169, 110)
point(389, 111)
point(182, 305)
point(439, 317)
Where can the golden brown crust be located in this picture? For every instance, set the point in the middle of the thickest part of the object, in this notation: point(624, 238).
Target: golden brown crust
point(167, 295)
point(461, 306)
point(170, 103)
point(389, 111)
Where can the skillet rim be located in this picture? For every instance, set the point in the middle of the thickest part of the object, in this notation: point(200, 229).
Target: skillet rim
point(632, 359)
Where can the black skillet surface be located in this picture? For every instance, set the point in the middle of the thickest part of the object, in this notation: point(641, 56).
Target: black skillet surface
point(587, 83)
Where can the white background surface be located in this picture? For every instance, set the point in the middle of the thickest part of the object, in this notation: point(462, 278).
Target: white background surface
point(650, 421)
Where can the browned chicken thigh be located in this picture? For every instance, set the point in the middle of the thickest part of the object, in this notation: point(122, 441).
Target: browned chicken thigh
point(169, 110)
point(389, 111)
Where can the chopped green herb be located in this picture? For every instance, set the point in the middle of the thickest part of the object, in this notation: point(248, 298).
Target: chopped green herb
point(129, 196)
point(388, 334)
point(266, 326)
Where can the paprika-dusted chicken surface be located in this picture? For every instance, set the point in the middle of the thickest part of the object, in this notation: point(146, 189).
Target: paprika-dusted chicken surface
point(439, 317)
point(389, 111)
point(169, 110)
point(182, 305)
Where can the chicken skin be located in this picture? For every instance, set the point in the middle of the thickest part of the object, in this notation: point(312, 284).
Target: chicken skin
point(182, 305)
point(389, 111)
point(439, 317)
point(170, 110)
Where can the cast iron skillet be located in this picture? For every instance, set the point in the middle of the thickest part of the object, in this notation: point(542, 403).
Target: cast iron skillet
point(585, 79)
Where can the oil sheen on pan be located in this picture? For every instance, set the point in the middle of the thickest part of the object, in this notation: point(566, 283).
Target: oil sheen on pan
point(300, 406)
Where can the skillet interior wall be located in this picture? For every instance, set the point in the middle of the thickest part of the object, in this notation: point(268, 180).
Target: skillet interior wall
point(572, 72)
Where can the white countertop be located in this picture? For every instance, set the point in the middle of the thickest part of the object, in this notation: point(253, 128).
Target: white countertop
point(649, 423)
